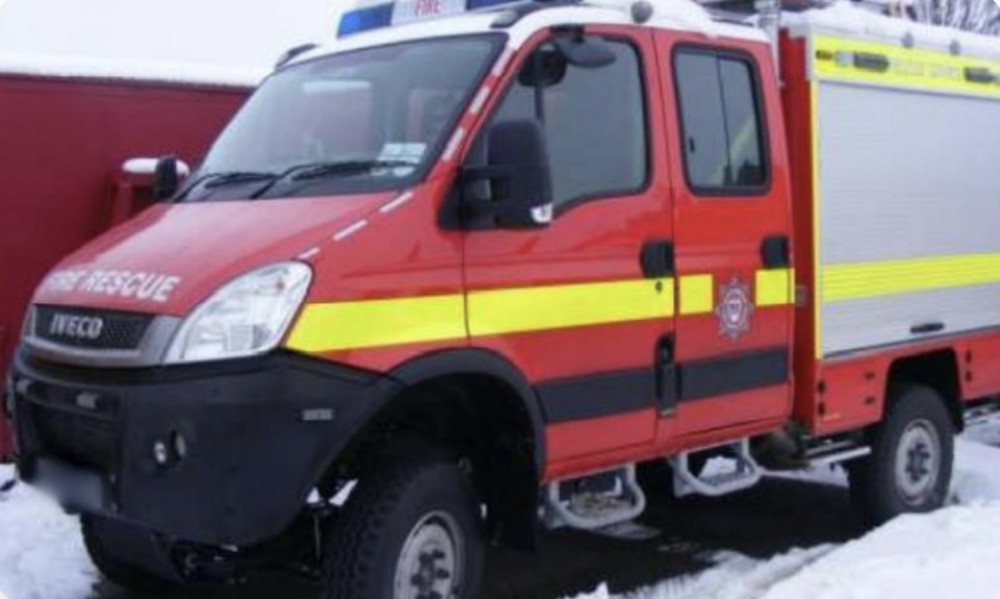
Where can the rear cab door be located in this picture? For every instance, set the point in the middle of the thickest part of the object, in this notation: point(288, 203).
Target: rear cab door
point(732, 232)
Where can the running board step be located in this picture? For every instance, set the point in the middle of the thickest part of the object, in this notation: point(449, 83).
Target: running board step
point(746, 473)
point(595, 503)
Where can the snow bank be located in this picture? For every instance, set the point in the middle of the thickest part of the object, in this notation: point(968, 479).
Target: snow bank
point(41, 554)
point(733, 577)
point(845, 18)
point(950, 553)
point(226, 42)
point(977, 476)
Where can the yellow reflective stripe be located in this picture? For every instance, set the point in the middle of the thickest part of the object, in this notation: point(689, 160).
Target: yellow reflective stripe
point(774, 287)
point(878, 279)
point(697, 294)
point(908, 67)
point(539, 308)
point(817, 233)
point(353, 325)
point(387, 322)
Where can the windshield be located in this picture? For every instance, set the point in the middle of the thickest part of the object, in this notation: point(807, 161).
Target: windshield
point(368, 120)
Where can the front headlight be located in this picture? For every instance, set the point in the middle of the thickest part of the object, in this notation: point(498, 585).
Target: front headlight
point(247, 317)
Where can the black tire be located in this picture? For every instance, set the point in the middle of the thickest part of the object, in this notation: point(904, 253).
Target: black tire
point(112, 567)
point(396, 527)
point(910, 467)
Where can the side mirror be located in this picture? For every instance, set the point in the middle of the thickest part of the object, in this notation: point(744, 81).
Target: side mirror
point(519, 177)
point(586, 53)
point(167, 175)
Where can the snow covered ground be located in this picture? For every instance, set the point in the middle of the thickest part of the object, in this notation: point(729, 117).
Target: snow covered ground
point(952, 553)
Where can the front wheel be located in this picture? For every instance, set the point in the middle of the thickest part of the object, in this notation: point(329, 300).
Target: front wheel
point(99, 538)
point(910, 467)
point(411, 530)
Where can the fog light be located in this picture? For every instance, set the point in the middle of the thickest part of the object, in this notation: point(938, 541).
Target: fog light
point(160, 453)
point(180, 446)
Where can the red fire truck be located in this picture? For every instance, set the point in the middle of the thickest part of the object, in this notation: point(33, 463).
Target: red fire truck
point(460, 279)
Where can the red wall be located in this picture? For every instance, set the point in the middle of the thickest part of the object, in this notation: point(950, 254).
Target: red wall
point(62, 143)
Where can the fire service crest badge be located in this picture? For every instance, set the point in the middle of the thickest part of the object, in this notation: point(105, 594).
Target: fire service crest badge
point(734, 309)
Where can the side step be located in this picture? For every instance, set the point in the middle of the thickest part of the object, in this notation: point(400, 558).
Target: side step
point(745, 473)
point(596, 502)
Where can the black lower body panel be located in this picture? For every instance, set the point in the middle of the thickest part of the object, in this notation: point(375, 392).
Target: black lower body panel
point(220, 454)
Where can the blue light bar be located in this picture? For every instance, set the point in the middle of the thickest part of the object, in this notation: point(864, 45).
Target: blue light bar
point(365, 19)
point(379, 16)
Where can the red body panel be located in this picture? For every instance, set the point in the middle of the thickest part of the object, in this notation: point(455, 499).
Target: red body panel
point(222, 241)
point(62, 143)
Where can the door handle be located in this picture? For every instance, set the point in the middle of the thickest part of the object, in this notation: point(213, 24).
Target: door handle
point(775, 252)
point(657, 259)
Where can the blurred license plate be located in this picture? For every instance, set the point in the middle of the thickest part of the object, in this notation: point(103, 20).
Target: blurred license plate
point(73, 487)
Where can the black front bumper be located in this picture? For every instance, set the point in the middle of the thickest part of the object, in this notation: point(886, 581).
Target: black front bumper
point(257, 436)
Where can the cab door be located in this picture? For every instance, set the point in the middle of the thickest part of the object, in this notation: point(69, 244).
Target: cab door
point(732, 226)
point(581, 306)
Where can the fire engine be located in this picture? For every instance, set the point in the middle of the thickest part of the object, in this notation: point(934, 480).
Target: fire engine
point(478, 269)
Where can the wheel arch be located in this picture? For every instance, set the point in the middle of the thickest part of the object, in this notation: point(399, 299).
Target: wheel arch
point(485, 363)
point(936, 369)
point(477, 401)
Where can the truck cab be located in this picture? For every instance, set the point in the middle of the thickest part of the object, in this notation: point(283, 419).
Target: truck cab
point(468, 264)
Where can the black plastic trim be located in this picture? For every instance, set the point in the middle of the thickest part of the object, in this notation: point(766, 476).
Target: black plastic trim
point(733, 374)
point(657, 259)
point(869, 61)
point(245, 423)
point(598, 395)
point(775, 252)
point(485, 362)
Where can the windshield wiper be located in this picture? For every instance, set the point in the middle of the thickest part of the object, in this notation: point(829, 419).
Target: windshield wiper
point(213, 180)
point(322, 170)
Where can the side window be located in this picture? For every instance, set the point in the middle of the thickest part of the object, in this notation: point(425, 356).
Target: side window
point(720, 122)
point(594, 120)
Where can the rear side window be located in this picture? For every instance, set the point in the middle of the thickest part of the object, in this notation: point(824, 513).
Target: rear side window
point(595, 124)
point(721, 123)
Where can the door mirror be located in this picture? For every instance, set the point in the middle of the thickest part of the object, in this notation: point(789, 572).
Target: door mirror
point(167, 177)
point(549, 65)
point(518, 176)
point(586, 52)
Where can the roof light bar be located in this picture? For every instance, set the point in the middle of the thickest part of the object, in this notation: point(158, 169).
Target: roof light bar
point(378, 16)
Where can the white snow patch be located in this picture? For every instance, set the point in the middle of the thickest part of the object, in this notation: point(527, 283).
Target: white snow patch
point(734, 576)
point(950, 553)
point(977, 467)
point(41, 552)
point(223, 42)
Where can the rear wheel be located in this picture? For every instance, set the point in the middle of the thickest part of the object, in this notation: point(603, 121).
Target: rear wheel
point(98, 538)
point(910, 467)
point(411, 530)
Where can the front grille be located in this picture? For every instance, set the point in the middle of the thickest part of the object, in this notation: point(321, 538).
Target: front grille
point(76, 438)
point(91, 329)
